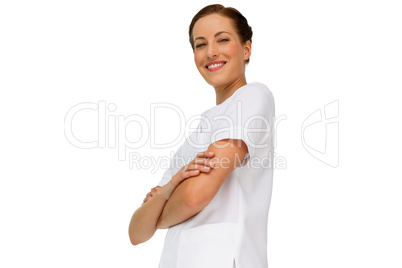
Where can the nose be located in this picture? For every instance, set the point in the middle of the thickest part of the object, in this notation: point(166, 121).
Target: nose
point(212, 51)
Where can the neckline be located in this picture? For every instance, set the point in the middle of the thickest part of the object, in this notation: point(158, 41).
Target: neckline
point(230, 97)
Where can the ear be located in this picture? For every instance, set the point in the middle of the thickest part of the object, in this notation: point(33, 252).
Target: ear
point(247, 50)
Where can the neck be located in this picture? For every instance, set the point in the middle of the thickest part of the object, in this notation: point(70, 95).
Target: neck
point(225, 91)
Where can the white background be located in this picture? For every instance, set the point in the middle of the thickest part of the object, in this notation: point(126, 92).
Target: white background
point(62, 206)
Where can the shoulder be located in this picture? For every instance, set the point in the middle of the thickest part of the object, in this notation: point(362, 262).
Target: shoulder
point(255, 98)
point(256, 91)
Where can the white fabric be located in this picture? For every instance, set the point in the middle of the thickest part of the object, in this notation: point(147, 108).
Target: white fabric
point(232, 228)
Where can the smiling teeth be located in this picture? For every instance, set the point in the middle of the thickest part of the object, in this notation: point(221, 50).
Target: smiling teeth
point(215, 65)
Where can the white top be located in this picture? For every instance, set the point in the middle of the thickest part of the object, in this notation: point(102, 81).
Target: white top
point(232, 229)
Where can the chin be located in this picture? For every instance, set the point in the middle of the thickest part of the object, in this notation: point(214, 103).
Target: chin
point(217, 81)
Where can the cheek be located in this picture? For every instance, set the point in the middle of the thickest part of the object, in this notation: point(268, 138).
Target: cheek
point(233, 51)
point(198, 58)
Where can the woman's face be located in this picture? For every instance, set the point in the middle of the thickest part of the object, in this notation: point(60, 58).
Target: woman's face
point(218, 53)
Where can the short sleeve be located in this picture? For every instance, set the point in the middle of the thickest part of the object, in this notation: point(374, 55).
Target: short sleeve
point(248, 117)
point(174, 167)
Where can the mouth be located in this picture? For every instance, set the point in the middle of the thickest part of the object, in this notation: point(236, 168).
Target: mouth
point(215, 65)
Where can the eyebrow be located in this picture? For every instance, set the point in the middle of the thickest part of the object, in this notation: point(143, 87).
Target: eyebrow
point(218, 33)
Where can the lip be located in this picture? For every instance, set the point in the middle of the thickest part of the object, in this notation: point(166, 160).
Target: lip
point(216, 68)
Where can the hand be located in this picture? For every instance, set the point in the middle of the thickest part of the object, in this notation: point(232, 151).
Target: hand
point(152, 193)
point(201, 163)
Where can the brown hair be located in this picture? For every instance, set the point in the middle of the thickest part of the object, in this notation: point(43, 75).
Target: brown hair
point(240, 22)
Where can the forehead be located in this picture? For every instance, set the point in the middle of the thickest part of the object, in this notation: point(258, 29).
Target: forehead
point(211, 24)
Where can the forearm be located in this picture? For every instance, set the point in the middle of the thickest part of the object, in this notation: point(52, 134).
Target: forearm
point(143, 222)
point(193, 194)
point(180, 206)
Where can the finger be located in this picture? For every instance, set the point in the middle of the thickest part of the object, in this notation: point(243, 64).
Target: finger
point(204, 161)
point(188, 174)
point(205, 154)
point(154, 191)
point(200, 167)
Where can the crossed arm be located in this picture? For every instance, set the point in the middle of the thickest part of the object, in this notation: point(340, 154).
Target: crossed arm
point(190, 197)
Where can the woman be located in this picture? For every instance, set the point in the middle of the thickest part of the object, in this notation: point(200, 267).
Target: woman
point(216, 206)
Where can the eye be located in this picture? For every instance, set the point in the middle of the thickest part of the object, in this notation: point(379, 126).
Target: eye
point(200, 45)
point(223, 40)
